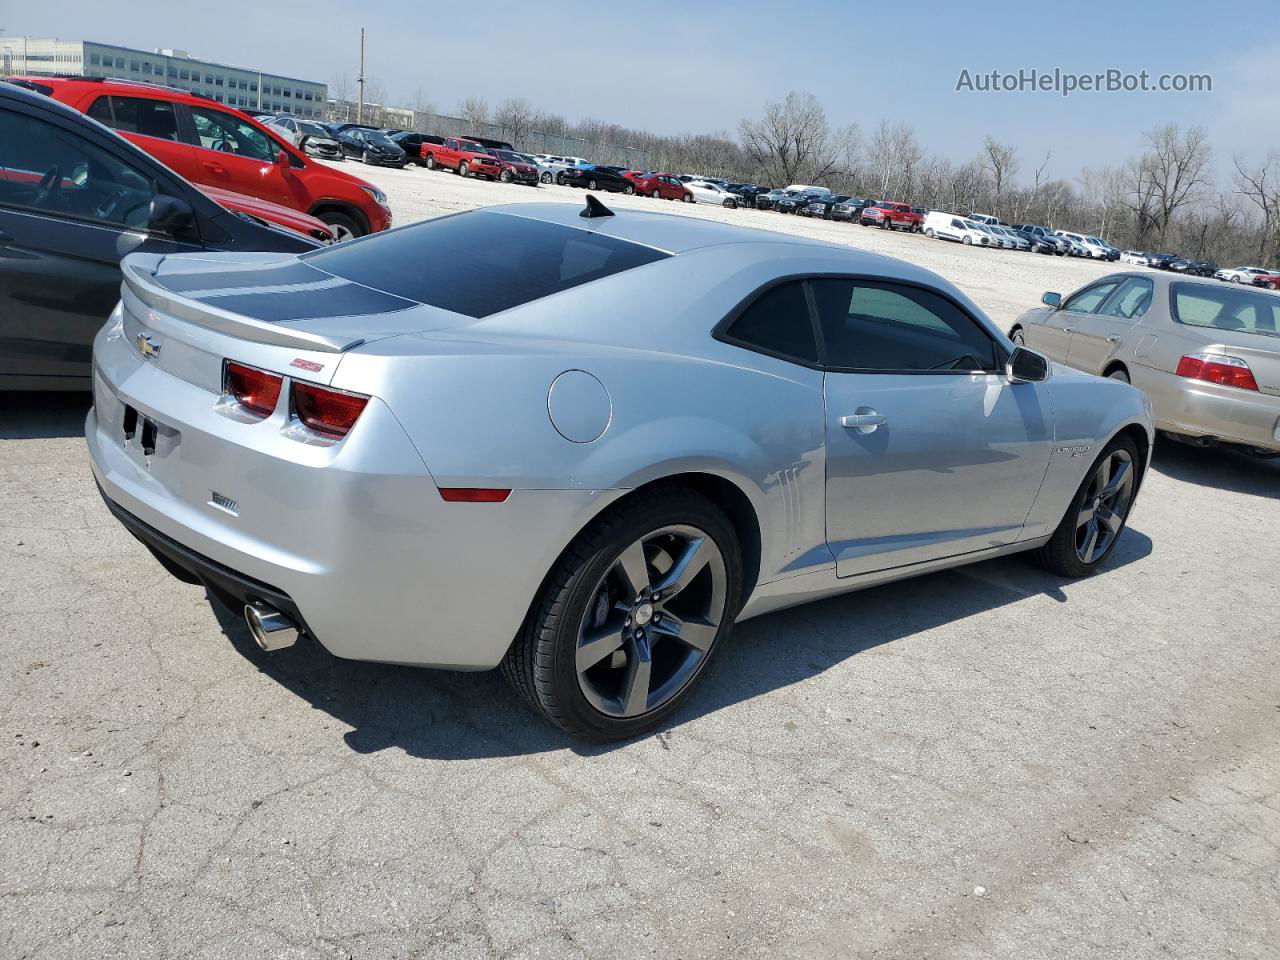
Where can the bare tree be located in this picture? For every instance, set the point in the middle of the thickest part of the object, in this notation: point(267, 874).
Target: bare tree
point(1260, 185)
point(1175, 166)
point(793, 142)
point(475, 111)
point(893, 159)
point(1000, 161)
point(516, 116)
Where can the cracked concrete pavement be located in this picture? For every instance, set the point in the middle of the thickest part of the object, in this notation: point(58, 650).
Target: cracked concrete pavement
point(984, 763)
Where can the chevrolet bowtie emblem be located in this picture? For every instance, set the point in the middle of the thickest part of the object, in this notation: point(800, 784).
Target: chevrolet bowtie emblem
point(148, 347)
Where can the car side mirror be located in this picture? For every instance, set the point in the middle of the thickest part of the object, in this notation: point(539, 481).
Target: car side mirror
point(1051, 299)
point(1027, 366)
point(282, 158)
point(169, 215)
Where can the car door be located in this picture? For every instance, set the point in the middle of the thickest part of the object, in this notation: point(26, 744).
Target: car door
point(1096, 336)
point(232, 154)
point(70, 208)
point(931, 452)
point(1053, 335)
point(148, 123)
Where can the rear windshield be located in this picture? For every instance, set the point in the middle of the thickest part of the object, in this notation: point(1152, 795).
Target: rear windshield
point(478, 264)
point(1226, 308)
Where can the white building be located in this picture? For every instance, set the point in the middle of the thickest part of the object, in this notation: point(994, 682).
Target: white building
point(236, 86)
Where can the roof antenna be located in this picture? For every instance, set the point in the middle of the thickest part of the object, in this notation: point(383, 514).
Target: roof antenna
point(595, 209)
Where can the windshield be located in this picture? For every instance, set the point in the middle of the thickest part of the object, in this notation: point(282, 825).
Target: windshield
point(1224, 308)
point(313, 130)
point(471, 147)
point(508, 155)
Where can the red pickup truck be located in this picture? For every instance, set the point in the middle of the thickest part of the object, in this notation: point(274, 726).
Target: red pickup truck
point(891, 216)
point(462, 156)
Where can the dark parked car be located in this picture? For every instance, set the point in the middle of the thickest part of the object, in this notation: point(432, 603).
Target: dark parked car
point(1161, 261)
point(595, 177)
point(797, 200)
point(823, 206)
point(1043, 240)
point(849, 209)
point(411, 143)
point(372, 147)
point(769, 199)
point(74, 199)
point(1194, 268)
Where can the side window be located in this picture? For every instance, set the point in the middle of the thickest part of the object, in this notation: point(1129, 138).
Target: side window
point(873, 325)
point(220, 131)
point(1090, 298)
point(1130, 302)
point(44, 167)
point(777, 322)
point(150, 118)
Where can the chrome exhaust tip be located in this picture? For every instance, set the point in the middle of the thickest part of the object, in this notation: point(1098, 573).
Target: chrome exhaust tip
point(270, 628)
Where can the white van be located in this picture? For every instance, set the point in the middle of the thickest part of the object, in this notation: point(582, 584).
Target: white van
point(952, 226)
point(806, 188)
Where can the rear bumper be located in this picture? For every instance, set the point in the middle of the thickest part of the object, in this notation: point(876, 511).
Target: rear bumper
point(353, 541)
point(1196, 409)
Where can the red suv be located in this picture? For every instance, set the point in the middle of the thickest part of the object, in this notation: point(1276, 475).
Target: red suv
point(214, 145)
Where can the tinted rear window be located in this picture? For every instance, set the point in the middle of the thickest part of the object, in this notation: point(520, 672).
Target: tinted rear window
point(478, 264)
point(1225, 308)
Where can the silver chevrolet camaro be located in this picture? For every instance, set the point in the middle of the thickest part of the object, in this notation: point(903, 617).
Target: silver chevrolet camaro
point(582, 445)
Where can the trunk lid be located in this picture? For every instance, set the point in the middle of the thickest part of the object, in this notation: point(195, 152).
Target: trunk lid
point(187, 314)
point(1261, 351)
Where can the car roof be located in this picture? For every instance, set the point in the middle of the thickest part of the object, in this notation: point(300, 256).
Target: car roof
point(663, 231)
point(112, 85)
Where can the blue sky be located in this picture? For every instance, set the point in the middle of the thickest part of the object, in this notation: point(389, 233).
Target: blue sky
point(675, 66)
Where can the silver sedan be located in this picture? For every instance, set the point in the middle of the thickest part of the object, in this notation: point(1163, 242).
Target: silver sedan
point(581, 446)
point(1207, 355)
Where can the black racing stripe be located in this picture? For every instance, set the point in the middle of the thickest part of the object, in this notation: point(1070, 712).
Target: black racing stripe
point(347, 300)
point(285, 273)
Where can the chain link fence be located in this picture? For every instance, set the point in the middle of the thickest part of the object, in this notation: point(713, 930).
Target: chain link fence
point(535, 141)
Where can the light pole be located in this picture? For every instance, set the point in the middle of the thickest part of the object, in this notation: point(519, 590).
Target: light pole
point(360, 82)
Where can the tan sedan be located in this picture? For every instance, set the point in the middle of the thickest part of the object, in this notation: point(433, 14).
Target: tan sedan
point(1207, 355)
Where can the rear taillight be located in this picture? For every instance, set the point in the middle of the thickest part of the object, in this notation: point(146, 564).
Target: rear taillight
point(255, 390)
point(330, 413)
point(474, 494)
point(1217, 368)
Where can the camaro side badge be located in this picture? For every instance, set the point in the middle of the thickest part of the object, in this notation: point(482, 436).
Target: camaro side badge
point(307, 365)
point(1075, 451)
point(148, 347)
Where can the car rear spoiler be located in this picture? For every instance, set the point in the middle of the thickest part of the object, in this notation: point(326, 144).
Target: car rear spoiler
point(139, 280)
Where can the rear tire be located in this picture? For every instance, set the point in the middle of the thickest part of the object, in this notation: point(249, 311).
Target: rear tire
point(629, 190)
point(1063, 553)
point(430, 162)
point(546, 176)
point(1119, 374)
point(929, 233)
point(592, 185)
point(656, 194)
point(585, 587)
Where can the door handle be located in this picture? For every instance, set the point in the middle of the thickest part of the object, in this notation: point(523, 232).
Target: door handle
point(1066, 329)
point(215, 167)
point(1112, 339)
point(863, 422)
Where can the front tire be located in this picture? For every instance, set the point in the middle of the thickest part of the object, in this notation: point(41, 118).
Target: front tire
point(1097, 514)
point(630, 616)
point(929, 233)
point(505, 176)
point(344, 227)
point(463, 170)
point(546, 176)
point(592, 185)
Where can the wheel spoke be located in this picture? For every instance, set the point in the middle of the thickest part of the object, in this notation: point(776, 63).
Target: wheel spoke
point(1090, 541)
point(1087, 513)
point(598, 646)
point(696, 633)
point(1109, 519)
point(1103, 476)
point(691, 562)
point(635, 569)
point(635, 691)
point(1117, 481)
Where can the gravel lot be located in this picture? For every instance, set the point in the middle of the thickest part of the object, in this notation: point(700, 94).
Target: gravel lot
point(986, 763)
